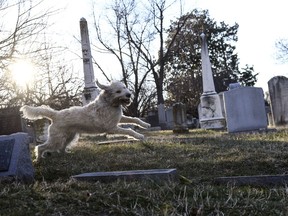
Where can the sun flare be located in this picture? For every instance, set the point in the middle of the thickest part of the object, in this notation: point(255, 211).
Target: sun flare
point(23, 72)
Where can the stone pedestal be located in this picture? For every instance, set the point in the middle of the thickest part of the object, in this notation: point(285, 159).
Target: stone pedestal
point(210, 112)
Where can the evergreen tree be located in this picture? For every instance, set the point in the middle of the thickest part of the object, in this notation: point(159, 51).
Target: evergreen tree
point(183, 79)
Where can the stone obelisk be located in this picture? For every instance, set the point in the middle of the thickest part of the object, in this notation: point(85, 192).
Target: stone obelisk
point(210, 112)
point(90, 90)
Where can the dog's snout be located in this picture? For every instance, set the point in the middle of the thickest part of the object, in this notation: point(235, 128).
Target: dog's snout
point(128, 95)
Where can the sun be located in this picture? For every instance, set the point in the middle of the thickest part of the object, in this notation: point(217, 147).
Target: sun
point(23, 72)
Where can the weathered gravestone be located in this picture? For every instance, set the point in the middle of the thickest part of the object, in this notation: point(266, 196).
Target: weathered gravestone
point(169, 118)
point(152, 118)
point(10, 120)
point(15, 158)
point(245, 109)
point(162, 116)
point(180, 118)
point(176, 118)
point(278, 90)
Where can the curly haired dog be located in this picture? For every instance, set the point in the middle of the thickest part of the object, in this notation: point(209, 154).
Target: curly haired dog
point(100, 116)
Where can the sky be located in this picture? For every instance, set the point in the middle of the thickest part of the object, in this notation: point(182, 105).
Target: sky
point(261, 24)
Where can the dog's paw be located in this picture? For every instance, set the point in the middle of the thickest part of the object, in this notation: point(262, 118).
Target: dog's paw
point(37, 160)
point(68, 150)
point(140, 137)
point(146, 125)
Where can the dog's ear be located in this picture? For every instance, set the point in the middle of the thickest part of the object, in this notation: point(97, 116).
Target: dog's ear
point(101, 86)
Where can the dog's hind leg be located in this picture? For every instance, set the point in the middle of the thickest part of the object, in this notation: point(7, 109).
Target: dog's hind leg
point(55, 142)
point(40, 150)
point(71, 141)
point(51, 145)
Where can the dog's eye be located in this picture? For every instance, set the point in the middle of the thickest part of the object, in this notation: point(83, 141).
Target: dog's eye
point(118, 92)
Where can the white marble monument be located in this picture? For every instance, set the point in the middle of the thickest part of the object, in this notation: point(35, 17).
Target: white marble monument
point(90, 90)
point(210, 112)
point(245, 109)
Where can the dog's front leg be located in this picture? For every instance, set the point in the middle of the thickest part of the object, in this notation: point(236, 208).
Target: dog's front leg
point(127, 131)
point(127, 119)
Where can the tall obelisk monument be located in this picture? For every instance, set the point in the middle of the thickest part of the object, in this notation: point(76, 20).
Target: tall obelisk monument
point(210, 112)
point(90, 90)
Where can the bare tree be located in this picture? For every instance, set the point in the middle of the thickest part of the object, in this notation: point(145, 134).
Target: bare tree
point(126, 26)
point(282, 50)
point(24, 25)
point(157, 9)
point(21, 23)
point(140, 32)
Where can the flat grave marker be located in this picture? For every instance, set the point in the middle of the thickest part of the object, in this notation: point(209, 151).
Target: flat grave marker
point(257, 180)
point(132, 175)
point(116, 141)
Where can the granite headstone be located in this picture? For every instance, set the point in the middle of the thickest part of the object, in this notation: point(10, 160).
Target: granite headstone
point(278, 91)
point(180, 118)
point(245, 109)
point(15, 158)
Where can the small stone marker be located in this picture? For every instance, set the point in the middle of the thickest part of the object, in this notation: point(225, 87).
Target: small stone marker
point(153, 174)
point(15, 158)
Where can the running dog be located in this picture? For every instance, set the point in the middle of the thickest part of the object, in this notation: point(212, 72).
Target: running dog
point(103, 115)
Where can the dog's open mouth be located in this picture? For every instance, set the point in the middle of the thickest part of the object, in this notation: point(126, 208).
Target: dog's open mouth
point(125, 101)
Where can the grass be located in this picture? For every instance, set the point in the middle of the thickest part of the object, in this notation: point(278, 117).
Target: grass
point(199, 157)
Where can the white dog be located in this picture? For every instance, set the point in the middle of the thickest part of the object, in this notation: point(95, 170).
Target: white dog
point(100, 116)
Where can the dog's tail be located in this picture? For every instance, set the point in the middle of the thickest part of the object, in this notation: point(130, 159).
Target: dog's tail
point(34, 113)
